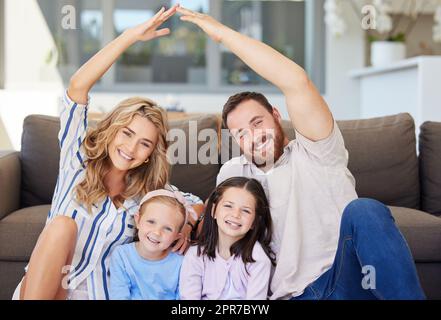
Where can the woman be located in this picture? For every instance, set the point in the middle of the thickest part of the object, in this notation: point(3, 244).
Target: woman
point(103, 175)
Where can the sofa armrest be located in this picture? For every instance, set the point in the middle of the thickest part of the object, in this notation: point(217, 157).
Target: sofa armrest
point(10, 181)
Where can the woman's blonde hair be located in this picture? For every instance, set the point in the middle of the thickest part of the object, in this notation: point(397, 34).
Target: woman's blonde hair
point(146, 177)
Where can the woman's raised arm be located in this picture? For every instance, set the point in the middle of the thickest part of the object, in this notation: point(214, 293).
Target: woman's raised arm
point(86, 77)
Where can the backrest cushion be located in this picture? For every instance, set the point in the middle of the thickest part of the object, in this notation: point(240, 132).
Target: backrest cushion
point(430, 167)
point(40, 156)
point(198, 171)
point(382, 158)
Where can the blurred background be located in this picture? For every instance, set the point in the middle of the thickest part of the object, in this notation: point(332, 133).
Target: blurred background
point(339, 43)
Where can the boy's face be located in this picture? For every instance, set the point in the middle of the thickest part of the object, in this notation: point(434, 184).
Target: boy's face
point(158, 226)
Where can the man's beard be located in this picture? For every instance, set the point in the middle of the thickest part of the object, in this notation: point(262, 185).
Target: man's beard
point(278, 139)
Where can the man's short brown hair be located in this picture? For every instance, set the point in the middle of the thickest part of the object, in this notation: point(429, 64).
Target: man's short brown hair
point(238, 98)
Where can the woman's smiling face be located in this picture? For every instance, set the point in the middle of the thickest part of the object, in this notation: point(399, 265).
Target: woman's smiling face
point(133, 144)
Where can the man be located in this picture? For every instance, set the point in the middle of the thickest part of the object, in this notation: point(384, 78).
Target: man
point(329, 244)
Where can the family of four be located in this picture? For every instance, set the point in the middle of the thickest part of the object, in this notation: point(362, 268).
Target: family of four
point(284, 221)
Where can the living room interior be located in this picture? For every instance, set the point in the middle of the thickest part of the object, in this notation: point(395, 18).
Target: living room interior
point(376, 63)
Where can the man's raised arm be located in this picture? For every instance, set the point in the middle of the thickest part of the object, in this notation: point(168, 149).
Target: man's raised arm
point(307, 109)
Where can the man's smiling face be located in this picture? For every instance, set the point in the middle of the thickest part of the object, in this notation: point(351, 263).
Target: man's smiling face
point(257, 131)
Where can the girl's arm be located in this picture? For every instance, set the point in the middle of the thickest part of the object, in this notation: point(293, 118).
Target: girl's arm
point(259, 276)
point(85, 78)
point(191, 276)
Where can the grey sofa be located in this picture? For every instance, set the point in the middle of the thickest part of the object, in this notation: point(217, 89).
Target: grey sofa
point(383, 159)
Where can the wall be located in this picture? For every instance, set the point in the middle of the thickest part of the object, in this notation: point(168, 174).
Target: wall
point(2, 38)
point(344, 54)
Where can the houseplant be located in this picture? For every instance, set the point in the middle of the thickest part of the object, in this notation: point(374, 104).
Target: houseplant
point(386, 31)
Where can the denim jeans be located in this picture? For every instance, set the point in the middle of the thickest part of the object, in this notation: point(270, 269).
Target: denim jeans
point(373, 260)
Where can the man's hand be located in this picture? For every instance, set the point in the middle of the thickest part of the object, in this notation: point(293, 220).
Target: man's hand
point(209, 25)
point(148, 30)
point(183, 240)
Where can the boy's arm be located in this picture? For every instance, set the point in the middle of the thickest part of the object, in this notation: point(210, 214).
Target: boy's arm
point(308, 111)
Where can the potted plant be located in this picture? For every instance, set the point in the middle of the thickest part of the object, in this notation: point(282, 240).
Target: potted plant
point(386, 32)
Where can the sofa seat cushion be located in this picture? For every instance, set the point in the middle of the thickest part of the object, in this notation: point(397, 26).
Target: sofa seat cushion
point(19, 232)
point(422, 232)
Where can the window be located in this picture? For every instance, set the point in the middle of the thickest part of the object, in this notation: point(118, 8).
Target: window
point(267, 21)
point(73, 47)
point(177, 58)
point(187, 60)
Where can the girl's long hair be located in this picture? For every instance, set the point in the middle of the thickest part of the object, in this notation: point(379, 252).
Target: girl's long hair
point(262, 226)
point(146, 177)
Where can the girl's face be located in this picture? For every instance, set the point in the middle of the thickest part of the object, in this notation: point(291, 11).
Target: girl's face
point(158, 226)
point(235, 213)
point(133, 144)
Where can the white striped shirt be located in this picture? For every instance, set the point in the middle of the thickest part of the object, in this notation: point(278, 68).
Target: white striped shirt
point(102, 230)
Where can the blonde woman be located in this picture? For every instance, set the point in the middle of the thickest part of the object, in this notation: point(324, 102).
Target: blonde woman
point(103, 175)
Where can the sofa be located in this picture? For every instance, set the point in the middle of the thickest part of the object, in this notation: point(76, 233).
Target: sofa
point(383, 158)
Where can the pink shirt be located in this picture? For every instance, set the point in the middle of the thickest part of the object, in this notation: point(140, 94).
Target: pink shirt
point(219, 279)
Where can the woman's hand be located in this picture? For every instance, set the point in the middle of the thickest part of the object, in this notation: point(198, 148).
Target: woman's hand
point(213, 28)
point(148, 30)
point(183, 240)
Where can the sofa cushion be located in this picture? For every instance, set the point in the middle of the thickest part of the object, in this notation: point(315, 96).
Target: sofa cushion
point(194, 174)
point(430, 167)
point(40, 158)
point(19, 232)
point(40, 155)
point(382, 158)
point(422, 232)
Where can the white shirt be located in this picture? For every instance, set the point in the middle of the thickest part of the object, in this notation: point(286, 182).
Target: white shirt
point(308, 189)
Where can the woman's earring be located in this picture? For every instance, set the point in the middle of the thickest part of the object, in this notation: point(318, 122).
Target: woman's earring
point(148, 159)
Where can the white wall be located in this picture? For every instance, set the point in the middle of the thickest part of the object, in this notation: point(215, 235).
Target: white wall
point(28, 43)
point(342, 55)
point(31, 85)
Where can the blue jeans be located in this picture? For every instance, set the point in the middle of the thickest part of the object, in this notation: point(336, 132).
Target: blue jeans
point(373, 260)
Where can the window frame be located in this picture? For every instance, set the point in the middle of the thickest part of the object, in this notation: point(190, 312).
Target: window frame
point(314, 57)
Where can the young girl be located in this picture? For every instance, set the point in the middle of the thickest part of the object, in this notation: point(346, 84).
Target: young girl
point(233, 257)
point(147, 269)
point(103, 174)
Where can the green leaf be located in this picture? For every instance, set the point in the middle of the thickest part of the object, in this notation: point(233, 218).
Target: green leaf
point(400, 37)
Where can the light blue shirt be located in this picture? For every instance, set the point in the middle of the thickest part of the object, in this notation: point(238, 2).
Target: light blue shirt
point(134, 278)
